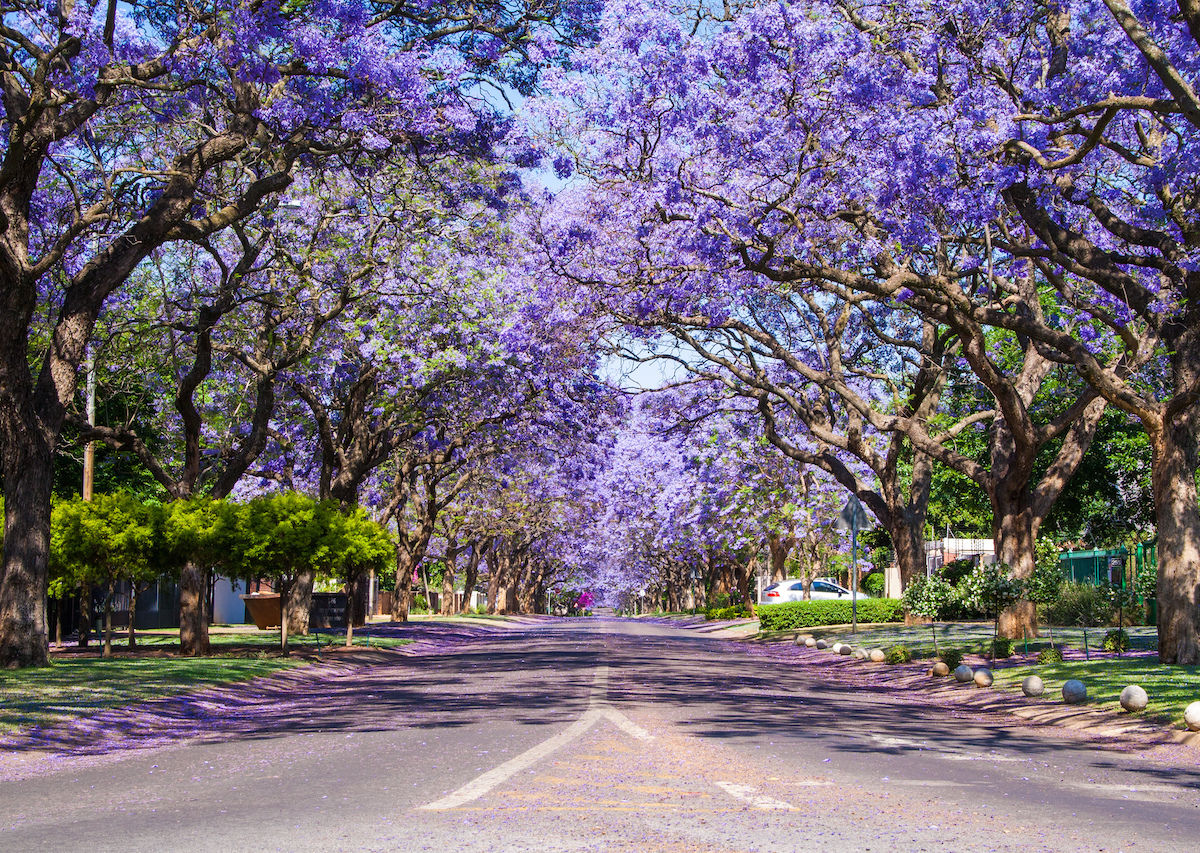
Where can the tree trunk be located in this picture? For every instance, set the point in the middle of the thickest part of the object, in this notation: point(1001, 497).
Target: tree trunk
point(299, 602)
point(470, 577)
point(402, 594)
point(779, 548)
point(193, 611)
point(908, 542)
point(1014, 533)
point(357, 592)
point(27, 483)
point(108, 632)
point(85, 614)
point(1174, 481)
point(133, 597)
point(496, 563)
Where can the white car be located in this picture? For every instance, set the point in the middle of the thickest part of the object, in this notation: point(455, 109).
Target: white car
point(793, 590)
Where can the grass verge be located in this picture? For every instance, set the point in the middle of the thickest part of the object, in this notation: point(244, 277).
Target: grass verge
point(1169, 688)
point(69, 689)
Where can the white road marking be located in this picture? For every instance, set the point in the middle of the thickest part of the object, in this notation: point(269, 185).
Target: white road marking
point(749, 794)
point(942, 752)
point(598, 709)
point(485, 782)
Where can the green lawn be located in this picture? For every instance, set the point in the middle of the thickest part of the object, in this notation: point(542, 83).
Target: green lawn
point(73, 688)
point(231, 638)
point(968, 637)
point(1170, 688)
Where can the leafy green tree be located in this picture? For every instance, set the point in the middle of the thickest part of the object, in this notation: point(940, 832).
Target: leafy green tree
point(1044, 586)
point(104, 541)
point(353, 545)
point(199, 534)
point(991, 590)
point(929, 597)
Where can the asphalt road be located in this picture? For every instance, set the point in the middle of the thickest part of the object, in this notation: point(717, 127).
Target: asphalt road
point(583, 735)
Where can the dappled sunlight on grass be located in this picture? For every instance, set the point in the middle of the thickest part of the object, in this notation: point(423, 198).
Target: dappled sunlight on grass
point(1170, 688)
point(75, 688)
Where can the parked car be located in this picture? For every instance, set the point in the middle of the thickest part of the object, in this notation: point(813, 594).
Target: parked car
point(823, 589)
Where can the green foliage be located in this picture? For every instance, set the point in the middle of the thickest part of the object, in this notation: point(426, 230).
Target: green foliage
point(1050, 655)
point(928, 597)
point(109, 539)
point(991, 589)
point(1002, 647)
point(951, 657)
point(1146, 585)
point(873, 584)
point(898, 654)
point(736, 611)
point(807, 614)
point(956, 570)
point(1116, 640)
point(1044, 585)
point(1081, 604)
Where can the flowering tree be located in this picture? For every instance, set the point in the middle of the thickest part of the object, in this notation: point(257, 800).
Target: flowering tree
point(130, 126)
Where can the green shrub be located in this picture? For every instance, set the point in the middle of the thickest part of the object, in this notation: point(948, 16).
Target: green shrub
point(1081, 604)
point(1002, 647)
point(873, 584)
point(737, 611)
point(807, 614)
point(951, 657)
point(898, 654)
point(1050, 655)
point(1116, 640)
point(956, 570)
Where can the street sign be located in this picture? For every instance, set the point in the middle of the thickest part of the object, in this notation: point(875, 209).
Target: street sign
point(852, 517)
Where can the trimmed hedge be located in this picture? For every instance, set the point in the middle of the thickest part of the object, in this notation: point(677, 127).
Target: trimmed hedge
point(807, 614)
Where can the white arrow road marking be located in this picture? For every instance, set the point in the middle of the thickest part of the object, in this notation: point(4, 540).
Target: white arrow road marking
point(749, 794)
point(598, 709)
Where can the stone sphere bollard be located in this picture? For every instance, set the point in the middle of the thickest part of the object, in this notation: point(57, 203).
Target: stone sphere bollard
point(963, 673)
point(1074, 692)
point(1191, 716)
point(860, 654)
point(821, 644)
point(810, 642)
point(878, 655)
point(1134, 699)
point(940, 669)
point(983, 677)
point(845, 649)
point(1033, 686)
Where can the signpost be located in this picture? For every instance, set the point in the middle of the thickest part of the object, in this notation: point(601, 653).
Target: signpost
point(852, 518)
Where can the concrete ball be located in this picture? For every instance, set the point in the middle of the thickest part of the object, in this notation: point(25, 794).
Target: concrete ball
point(836, 648)
point(821, 644)
point(845, 649)
point(1134, 698)
point(860, 654)
point(1191, 716)
point(1033, 686)
point(810, 642)
point(1074, 692)
point(983, 677)
point(940, 669)
point(963, 673)
point(878, 655)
